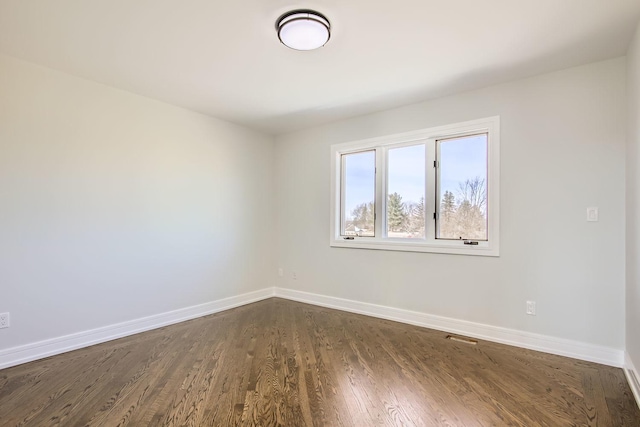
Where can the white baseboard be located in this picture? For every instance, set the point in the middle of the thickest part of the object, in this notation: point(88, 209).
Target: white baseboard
point(578, 350)
point(544, 343)
point(38, 350)
point(633, 377)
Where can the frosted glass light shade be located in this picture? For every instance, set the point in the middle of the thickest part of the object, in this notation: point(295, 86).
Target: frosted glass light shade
point(303, 30)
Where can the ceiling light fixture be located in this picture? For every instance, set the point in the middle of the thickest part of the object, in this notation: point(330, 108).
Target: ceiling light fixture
point(303, 29)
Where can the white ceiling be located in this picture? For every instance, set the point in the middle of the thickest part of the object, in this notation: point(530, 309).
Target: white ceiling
point(223, 58)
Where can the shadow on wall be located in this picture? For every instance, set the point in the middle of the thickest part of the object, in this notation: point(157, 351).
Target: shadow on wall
point(357, 104)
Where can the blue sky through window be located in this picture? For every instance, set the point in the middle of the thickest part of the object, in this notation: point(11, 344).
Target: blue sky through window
point(406, 172)
point(460, 159)
point(360, 180)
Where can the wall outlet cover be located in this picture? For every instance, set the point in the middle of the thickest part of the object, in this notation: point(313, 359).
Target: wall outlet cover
point(4, 320)
point(531, 308)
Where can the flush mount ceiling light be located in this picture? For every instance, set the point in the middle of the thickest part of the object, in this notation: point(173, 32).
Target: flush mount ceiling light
point(303, 29)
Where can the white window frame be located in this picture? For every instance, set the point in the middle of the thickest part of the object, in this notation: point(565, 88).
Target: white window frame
point(381, 145)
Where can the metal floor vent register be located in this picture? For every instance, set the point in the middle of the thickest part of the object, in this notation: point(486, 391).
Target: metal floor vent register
point(462, 339)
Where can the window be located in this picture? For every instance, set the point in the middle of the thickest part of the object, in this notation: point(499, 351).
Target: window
point(406, 172)
point(461, 178)
point(358, 194)
point(433, 190)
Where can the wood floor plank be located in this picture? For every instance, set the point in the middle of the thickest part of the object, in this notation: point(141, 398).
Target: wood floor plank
point(282, 363)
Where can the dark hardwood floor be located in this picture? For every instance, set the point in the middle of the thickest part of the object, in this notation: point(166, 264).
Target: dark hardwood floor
point(278, 362)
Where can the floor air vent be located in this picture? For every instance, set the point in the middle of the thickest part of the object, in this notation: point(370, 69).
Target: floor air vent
point(462, 339)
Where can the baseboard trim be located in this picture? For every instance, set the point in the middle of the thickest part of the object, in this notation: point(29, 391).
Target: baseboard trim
point(633, 377)
point(532, 341)
point(562, 347)
point(41, 349)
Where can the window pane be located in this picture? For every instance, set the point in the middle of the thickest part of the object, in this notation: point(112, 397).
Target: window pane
point(359, 193)
point(462, 188)
point(405, 200)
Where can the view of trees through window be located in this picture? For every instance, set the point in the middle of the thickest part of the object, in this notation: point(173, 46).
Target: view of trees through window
point(461, 190)
point(464, 217)
point(406, 191)
point(462, 183)
point(406, 219)
point(359, 192)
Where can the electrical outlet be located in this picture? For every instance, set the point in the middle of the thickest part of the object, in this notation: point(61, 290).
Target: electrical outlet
point(4, 320)
point(280, 272)
point(294, 275)
point(592, 214)
point(531, 308)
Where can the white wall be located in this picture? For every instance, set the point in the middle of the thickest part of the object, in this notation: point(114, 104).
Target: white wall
point(562, 150)
point(633, 202)
point(115, 206)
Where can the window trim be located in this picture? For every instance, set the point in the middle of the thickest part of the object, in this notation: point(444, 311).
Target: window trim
point(490, 125)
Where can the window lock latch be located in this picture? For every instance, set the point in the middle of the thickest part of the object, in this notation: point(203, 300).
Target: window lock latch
point(348, 238)
point(471, 242)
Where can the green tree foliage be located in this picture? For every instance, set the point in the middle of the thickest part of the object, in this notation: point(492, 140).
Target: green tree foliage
point(462, 216)
point(396, 215)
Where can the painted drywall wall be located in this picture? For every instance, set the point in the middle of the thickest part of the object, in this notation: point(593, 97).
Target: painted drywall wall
point(115, 206)
point(633, 202)
point(562, 150)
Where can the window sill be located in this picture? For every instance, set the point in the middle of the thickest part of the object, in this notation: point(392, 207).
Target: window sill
point(455, 248)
